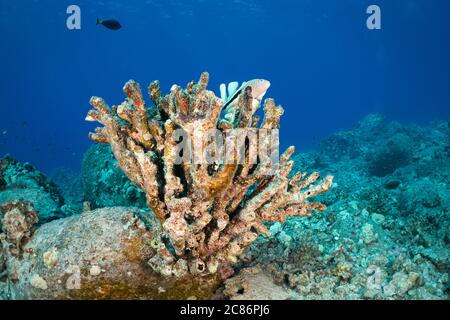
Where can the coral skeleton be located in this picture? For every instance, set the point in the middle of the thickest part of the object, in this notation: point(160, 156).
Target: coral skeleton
point(209, 212)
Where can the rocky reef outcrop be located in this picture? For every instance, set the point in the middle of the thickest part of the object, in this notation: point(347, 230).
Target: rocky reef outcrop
point(105, 184)
point(23, 181)
point(384, 236)
point(70, 186)
point(100, 254)
point(387, 156)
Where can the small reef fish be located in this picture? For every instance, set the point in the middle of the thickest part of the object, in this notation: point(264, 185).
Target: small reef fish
point(230, 98)
point(110, 24)
point(259, 89)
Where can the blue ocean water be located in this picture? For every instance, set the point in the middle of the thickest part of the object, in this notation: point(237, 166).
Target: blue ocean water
point(368, 111)
point(326, 68)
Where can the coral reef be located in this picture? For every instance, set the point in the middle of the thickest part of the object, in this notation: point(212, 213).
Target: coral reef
point(23, 181)
point(105, 184)
point(383, 236)
point(390, 155)
point(209, 212)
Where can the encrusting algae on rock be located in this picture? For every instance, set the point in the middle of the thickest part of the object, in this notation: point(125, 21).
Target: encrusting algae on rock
point(101, 254)
point(210, 211)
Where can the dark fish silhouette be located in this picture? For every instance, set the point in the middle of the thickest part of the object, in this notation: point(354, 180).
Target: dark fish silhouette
point(110, 24)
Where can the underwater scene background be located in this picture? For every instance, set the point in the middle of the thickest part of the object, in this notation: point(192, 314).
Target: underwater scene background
point(370, 107)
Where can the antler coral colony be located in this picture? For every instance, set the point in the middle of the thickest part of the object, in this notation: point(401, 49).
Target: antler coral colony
point(209, 214)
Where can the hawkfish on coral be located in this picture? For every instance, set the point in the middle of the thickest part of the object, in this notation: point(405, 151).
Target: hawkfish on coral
point(209, 211)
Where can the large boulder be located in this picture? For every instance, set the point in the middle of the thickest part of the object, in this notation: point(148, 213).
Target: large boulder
point(99, 254)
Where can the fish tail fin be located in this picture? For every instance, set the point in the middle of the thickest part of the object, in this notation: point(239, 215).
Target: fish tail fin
point(98, 22)
point(223, 92)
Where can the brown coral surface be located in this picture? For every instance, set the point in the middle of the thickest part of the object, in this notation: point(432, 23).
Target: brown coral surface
point(209, 212)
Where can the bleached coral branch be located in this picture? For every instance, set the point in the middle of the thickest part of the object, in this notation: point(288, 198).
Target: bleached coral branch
point(210, 212)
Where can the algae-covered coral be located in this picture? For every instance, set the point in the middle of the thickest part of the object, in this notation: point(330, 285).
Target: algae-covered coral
point(210, 211)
